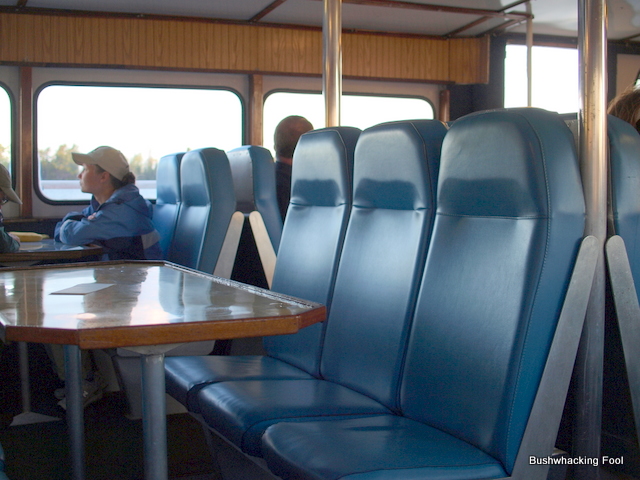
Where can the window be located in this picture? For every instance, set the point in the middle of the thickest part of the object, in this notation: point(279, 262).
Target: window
point(5, 128)
point(554, 78)
point(145, 123)
point(360, 111)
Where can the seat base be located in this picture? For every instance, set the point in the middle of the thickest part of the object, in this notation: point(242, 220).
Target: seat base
point(385, 447)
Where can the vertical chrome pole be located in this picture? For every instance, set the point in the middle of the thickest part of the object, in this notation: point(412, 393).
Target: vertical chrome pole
point(154, 417)
point(332, 61)
point(593, 158)
point(529, 56)
point(75, 409)
point(25, 384)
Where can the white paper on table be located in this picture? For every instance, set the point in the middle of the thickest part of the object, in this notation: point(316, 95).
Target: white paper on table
point(83, 289)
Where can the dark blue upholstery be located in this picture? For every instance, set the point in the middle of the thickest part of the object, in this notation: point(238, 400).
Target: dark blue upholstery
point(168, 199)
point(3, 475)
point(510, 217)
point(321, 199)
point(395, 172)
point(310, 247)
point(254, 181)
point(624, 159)
point(208, 201)
point(621, 377)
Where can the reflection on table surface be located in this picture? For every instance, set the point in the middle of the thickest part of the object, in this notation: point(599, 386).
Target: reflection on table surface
point(48, 249)
point(107, 304)
point(48, 244)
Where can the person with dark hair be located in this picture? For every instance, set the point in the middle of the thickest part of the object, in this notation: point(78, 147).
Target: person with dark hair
point(8, 241)
point(626, 106)
point(118, 217)
point(285, 138)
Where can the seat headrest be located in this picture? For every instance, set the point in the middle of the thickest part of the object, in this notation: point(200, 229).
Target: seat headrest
point(396, 165)
point(488, 167)
point(168, 179)
point(198, 171)
point(253, 174)
point(323, 166)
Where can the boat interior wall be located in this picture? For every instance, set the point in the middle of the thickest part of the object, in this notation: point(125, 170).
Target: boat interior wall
point(168, 43)
point(627, 69)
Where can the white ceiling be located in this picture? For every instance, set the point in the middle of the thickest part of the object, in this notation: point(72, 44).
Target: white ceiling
point(551, 17)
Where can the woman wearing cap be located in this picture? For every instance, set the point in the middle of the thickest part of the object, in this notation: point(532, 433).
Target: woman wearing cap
point(118, 217)
point(8, 241)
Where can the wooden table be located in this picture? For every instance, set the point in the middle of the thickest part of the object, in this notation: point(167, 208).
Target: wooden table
point(30, 253)
point(133, 304)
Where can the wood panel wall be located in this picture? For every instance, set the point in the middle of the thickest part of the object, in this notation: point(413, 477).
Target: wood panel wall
point(187, 44)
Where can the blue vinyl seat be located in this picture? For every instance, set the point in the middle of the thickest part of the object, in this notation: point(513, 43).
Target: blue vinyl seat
point(624, 160)
point(168, 199)
point(310, 247)
point(254, 181)
point(508, 226)
point(621, 379)
point(208, 203)
point(203, 219)
point(3, 475)
point(395, 172)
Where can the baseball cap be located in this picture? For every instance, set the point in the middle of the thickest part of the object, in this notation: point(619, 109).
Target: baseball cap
point(107, 158)
point(5, 185)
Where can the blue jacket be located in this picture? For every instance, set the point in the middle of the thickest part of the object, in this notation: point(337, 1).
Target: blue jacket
point(122, 225)
point(7, 243)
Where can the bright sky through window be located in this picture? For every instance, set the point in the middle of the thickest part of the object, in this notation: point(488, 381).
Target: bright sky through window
point(144, 123)
point(359, 111)
point(555, 78)
point(150, 121)
point(5, 127)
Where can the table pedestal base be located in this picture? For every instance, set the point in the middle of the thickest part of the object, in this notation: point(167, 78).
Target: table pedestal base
point(27, 417)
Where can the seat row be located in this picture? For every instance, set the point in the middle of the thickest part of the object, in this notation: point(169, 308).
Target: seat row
point(206, 199)
point(446, 260)
point(203, 197)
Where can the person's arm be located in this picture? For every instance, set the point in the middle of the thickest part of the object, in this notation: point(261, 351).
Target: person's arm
point(71, 216)
point(108, 222)
point(8, 243)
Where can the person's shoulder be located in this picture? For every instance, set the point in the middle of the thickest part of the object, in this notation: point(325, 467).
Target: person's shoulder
point(130, 196)
point(127, 192)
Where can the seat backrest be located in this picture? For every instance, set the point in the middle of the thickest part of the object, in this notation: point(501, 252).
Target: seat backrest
point(254, 182)
point(313, 234)
point(395, 175)
point(509, 220)
point(624, 165)
point(208, 201)
point(168, 199)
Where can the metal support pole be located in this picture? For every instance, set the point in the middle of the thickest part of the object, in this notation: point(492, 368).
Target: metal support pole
point(593, 158)
point(529, 56)
point(75, 410)
point(25, 386)
point(154, 413)
point(27, 417)
point(332, 61)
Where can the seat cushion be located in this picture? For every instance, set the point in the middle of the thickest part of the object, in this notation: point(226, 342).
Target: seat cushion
point(384, 447)
point(241, 411)
point(185, 376)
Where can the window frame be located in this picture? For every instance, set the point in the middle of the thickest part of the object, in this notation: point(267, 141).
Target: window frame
point(346, 93)
point(549, 42)
point(13, 134)
point(81, 83)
